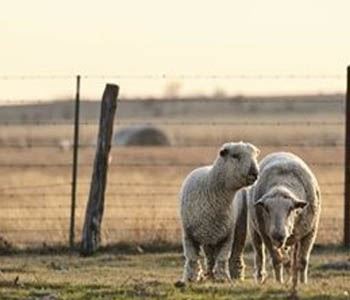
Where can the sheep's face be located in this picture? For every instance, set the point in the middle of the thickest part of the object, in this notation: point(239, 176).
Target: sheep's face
point(240, 163)
point(280, 208)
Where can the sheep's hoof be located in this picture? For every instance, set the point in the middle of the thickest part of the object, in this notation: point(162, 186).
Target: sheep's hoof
point(222, 277)
point(221, 272)
point(237, 274)
point(193, 272)
point(238, 277)
point(303, 279)
point(279, 280)
point(293, 295)
point(179, 284)
point(208, 275)
point(261, 279)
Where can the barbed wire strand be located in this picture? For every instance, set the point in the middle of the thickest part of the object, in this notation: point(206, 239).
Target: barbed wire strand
point(182, 123)
point(140, 165)
point(120, 194)
point(146, 229)
point(31, 145)
point(120, 184)
point(232, 100)
point(165, 76)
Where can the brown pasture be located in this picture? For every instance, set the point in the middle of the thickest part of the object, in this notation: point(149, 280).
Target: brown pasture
point(143, 182)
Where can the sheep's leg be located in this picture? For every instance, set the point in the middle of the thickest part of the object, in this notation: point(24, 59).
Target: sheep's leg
point(210, 257)
point(259, 258)
point(287, 262)
point(306, 244)
point(221, 269)
point(295, 267)
point(236, 261)
point(193, 268)
point(277, 261)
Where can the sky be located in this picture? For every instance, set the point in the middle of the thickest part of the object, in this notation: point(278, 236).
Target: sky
point(183, 47)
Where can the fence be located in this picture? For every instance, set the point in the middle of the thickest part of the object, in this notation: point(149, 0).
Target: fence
point(44, 183)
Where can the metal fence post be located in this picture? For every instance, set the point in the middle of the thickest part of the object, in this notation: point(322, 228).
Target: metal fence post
point(75, 163)
point(347, 166)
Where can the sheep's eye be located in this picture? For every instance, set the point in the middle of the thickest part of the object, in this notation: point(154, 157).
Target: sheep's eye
point(236, 156)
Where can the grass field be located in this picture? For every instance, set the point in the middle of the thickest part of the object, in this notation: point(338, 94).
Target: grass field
point(141, 208)
point(143, 182)
point(119, 275)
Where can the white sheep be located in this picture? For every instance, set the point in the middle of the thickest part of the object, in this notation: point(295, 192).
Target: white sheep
point(207, 210)
point(284, 209)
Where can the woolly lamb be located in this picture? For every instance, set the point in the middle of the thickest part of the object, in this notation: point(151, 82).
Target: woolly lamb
point(207, 211)
point(284, 209)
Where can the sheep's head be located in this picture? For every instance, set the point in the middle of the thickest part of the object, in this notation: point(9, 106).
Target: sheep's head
point(240, 164)
point(279, 208)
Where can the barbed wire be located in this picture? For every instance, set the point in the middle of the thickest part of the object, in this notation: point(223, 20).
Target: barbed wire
point(238, 123)
point(122, 184)
point(36, 77)
point(20, 187)
point(141, 165)
point(26, 102)
point(281, 100)
point(31, 218)
point(29, 144)
point(157, 194)
point(107, 230)
point(331, 224)
point(119, 194)
point(165, 76)
point(155, 206)
point(182, 123)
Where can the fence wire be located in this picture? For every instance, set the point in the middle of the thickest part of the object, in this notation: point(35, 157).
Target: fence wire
point(31, 210)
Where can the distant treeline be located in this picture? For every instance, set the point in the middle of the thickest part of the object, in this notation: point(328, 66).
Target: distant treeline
point(176, 108)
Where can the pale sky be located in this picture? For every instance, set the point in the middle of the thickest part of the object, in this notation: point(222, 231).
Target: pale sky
point(175, 38)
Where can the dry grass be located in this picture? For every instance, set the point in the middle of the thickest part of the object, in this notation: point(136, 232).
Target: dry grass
point(141, 202)
point(118, 275)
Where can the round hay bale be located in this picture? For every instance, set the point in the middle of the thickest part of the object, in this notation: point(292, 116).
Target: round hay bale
point(141, 135)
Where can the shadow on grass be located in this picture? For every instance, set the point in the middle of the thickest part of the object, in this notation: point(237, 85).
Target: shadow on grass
point(158, 246)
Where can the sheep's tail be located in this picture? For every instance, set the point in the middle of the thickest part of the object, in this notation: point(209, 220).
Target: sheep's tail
point(237, 265)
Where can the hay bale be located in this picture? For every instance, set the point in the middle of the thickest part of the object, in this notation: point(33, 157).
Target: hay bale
point(141, 135)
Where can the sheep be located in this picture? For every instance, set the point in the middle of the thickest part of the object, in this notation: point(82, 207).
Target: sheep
point(206, 209)
point(284, 207)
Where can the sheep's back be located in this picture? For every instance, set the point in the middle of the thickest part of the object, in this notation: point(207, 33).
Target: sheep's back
point(202, 218)
point(287, 169)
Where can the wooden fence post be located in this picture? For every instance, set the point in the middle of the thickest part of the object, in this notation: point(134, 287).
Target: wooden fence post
point(94, 211)
point(347, 166)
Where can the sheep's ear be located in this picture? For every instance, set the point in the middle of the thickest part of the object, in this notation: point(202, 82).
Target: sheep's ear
point(223, 152)
point(255, 149)
point(299, 204)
